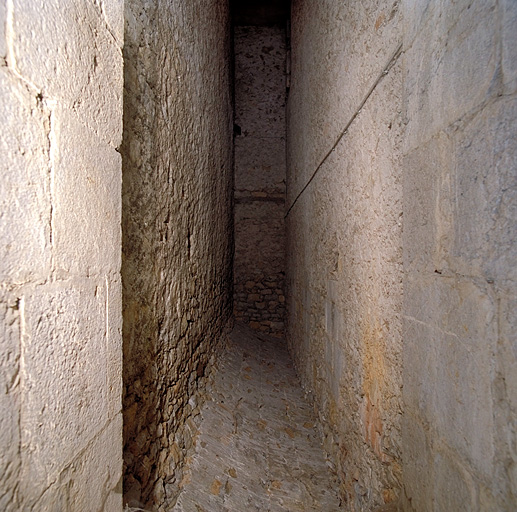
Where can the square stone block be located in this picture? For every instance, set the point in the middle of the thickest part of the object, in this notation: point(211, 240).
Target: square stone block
point(454, 347)
point(64, 376)
point(24, 183)
point(70, 54)
point(449, 67)
point(87, 199)
point(485, 191)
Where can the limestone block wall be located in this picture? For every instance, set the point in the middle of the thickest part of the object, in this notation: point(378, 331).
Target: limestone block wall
point(60, 293)
point(460, 236)
point(260, 85)
point(177, 229)
point(402, 246)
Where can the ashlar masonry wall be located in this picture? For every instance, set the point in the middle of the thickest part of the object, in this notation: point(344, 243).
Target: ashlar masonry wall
point(177, 230)
point(60, 294)
point(402, 230)
point(460, 248)
point(260, 90)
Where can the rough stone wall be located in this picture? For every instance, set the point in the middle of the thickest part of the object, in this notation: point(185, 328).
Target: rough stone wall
point(60, 294)
point(345, 233)
point(428, 306)
point(260, 86)
point(177, 229)
point(460, 254)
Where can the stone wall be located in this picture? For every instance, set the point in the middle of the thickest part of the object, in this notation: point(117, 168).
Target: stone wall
point(60, 294)
point(260, 85)
point(406, 111)
point(460, 253)
point(177, 229)
point(345, 235)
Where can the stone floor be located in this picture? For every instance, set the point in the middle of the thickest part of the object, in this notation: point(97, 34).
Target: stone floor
point(258, 446)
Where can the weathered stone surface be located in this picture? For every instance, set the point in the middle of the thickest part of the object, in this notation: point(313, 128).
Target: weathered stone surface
point(64, 375)
point(100, 462)
point(260, 164)
point(177, 228)
point(10, 399)
point(259, 268)
point(402, 249)
point(338, 51)
point(113, 11)
point(260, 81)
point(345, 294)
point(25, 185)
point(459, 254)
point(446, 165)
point(61, 90)
point(457, 395)
point(428, 204)
point(114, 346)
point(418, 461)
point(3, 21)
point(259, 233)
point(509, 45)
point(454, 488)
point(258, 445)
point(485, 201)
point(450, 67)
point(70, 55)
point(93, 216)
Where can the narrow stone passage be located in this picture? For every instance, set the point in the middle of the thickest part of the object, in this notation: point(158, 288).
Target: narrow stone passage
point(258, 447)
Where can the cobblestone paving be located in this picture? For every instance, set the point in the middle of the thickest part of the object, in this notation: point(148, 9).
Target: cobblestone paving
point(258, 447)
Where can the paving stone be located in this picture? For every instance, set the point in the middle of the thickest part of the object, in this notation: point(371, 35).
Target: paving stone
point(258, 446)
